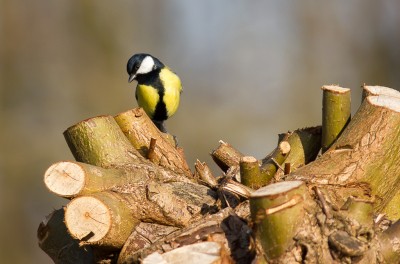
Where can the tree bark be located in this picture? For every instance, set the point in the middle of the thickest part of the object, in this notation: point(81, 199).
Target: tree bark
point(205, 253)
point(204, 173)
point(71, 179)
point(139, 130)
point(364, 155)
point(225, 156)
point(304, 146)
point(224, 227)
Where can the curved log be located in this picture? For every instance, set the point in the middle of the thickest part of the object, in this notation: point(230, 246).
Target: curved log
point(139, 130)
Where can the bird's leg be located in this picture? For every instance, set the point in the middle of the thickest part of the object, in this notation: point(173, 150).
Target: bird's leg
point(162, 127)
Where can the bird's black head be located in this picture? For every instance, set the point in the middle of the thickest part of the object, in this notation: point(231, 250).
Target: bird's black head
point(141, 63)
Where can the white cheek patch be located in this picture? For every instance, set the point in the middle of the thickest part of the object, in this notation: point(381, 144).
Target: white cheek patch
point(146, 66)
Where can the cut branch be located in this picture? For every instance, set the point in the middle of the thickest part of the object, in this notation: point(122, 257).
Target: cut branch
point(225, 156)
point(336, 112)
point(139, 130)
point(276, 211)
point(250, 172)
point(269, 168)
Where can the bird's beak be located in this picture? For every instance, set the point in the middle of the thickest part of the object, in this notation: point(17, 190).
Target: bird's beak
point(132, 77)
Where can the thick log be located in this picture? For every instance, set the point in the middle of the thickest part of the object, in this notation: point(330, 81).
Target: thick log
point(99, 141)
point(71, 179)
point(139, 130)
point(378, 90)
point(336, 112)
point(226, 156)
point(277, 211)
point(101, 219)
point(105, 219)
point(365, 154)
point(55, 240)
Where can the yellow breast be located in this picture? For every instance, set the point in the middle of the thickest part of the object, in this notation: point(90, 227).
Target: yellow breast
point(147, 98)
point(172, 90)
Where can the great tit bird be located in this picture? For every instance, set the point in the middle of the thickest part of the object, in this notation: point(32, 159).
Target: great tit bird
point(158, 90)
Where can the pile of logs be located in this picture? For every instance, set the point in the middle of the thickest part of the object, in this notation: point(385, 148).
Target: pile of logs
point(326, 194)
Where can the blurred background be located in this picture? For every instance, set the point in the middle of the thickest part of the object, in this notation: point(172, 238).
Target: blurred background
point(250, 70)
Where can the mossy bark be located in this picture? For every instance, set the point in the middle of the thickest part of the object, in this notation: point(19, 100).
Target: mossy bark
point(389, 243)
point(276, 211)
point(365, 154)
point(304, 146)
point(250, 172)
point(269, 168)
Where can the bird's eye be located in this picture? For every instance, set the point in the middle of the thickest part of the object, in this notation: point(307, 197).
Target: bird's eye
point(136, 66)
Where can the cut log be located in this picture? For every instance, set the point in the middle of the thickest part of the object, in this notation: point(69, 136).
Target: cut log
point(105, 219)
point(139, 130)
point(54, 239)
point(277, 211)
point(205, 253)
point(71, 179)
point(378, 90)
point(225, 156)
point(99, 141)
point(336, 112)
point(366, 153)
point(101, 219)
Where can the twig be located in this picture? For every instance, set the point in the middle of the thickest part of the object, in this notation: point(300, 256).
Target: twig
point(277, 164)
point(325, 206)
point(152, 147)
point(287, 168)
